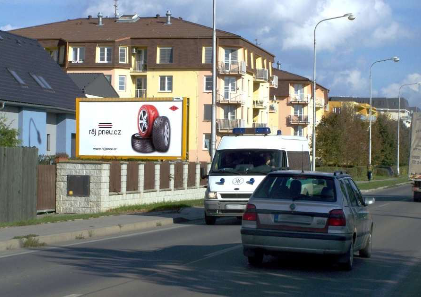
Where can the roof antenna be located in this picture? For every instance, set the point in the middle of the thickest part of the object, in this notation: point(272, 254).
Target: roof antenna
point(116, 9)
point(302, 158)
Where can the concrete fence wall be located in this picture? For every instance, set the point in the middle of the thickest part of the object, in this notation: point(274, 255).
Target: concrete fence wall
point(101, 199)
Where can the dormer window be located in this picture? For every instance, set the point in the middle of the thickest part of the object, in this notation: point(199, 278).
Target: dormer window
point(41, 81)
point(17, 77)
point(78, 55)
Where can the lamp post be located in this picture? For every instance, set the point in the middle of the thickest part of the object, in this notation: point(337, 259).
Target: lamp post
point(350, 17)
point(213, 123)
point(394, 59)
point(399, 121)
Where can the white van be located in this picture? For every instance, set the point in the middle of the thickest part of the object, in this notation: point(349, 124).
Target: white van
point(240, 164)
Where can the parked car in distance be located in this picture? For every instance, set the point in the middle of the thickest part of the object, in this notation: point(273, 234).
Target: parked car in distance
point(307, 212)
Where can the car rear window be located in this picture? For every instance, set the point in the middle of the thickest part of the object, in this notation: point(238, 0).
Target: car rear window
point(297, 187)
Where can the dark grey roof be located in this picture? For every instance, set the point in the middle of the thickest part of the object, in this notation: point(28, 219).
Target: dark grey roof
point(378, 102)
point(94, 84)
point(25, 56)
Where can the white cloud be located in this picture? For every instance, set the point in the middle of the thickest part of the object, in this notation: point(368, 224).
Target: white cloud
point(7, 27)
point(411, 93)
point(352, 80)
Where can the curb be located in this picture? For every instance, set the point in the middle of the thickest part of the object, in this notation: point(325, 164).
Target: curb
point(385, 187)
point(14, 244)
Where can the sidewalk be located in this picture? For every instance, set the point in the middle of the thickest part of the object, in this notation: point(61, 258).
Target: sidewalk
point(80, 229)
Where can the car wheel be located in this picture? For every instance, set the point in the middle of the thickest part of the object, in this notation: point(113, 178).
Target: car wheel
point(256, 259)
point(348, 262)
point(145, 119)
point(366, 251)
point(161, 134)
point(210, 220)
point(142, 145)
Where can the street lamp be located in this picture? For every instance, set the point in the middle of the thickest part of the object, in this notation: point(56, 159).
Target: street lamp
point(350, 17)
point(399, 120)
point(394, 59)
point(213, 123)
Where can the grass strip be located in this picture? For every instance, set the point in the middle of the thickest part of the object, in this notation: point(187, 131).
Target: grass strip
point(382, 183)
point(140, 208)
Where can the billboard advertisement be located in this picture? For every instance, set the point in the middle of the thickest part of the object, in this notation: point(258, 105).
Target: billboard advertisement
point(131, 128)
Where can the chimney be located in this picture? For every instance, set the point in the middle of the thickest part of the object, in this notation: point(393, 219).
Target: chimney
point(89, 17)
point(168, 17)
point(100, 19)
point(279, 65)
point(157, 15)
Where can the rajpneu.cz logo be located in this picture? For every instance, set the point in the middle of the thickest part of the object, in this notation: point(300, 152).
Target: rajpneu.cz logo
point(104, 129)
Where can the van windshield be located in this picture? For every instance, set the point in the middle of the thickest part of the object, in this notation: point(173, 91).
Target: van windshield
point(248, 161)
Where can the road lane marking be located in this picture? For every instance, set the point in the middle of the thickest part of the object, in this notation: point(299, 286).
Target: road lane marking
point(73, 295)
point(93, 241)
point(217, 253)
point(382, 205)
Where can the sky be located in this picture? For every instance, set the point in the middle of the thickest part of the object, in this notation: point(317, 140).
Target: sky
point(345, 49)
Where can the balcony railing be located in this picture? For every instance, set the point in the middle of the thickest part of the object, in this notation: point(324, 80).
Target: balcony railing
point(140, 93)
point(273, 107)
point(298, 119)
point(225, 124)
point(298, 99)
point(259, 125)
point(259, 102)
point(233, 67)
point(274, 81)
point(140, 66)
point(234, 98)
point(262, 74)
point(320, 102)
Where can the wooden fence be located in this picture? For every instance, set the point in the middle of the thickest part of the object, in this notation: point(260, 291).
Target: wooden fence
point(18, 183)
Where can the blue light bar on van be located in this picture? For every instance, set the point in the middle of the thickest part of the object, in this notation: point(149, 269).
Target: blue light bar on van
point(240, 131)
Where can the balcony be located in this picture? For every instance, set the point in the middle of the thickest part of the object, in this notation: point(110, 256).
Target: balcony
point(140, 67)
point(140, 93)
point(260, 102)
point(233, 67)
point(259, 125)
point(231, 98)
point(262, 74)
point(273, 107)
point(274, 81)
point(320, 102)
point(298, 119)
point(225, 125)
point(298, 99)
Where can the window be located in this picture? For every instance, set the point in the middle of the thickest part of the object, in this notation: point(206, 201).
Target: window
point(207, 112)
point(78, 54)
point(17, 77)
point(61, 55)
point(48, 142)
point(208, 55)
point(230, 86)
point(206, 141)
point(337, 110)
point(41, 81)
point(298, 110)
point(122, 55)
point(165, 55)
point(351, 193)
point(229, 112)
point(208, 83)
point(299, 91)
point(108, 77)
point(165, 83)
point(298, 131)
point(54, 54)
point(231, 57)
point(121, 82)
point(105, 54)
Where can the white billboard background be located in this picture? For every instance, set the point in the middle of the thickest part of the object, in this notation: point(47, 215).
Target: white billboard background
point(123, 117)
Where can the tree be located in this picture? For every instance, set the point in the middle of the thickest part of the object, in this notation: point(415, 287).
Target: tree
point(8, 136)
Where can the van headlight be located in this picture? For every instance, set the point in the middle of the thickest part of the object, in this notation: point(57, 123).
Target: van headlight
point(212, 195)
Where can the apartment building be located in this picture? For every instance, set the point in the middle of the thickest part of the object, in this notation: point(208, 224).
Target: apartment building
point(361, 109)
point(168, 57)
point(291, 107)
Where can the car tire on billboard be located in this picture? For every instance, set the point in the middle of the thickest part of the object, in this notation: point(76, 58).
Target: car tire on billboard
point(142, 145)
point(161, 134)
point(145, 119)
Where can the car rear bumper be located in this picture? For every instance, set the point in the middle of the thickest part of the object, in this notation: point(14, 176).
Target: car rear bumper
point(220, 208)
point(302, 242)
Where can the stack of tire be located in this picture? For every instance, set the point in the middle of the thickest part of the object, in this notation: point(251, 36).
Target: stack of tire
point(154, 131)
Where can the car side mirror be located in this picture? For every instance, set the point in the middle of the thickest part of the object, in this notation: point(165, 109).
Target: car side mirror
point(369, 200)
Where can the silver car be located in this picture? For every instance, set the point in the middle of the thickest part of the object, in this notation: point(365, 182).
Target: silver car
point(307, 212)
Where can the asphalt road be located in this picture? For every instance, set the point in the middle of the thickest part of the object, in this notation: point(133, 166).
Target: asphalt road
point(199, 260)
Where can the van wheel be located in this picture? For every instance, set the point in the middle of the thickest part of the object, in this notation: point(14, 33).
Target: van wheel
point(161, 134)
point(145, 119)
point(210, 220)
point(256, 259)
point(366, 251)
point(142, 145)
point(348, 258)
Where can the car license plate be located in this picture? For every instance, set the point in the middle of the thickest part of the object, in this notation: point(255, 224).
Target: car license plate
point(296, 219)
point(235, 206)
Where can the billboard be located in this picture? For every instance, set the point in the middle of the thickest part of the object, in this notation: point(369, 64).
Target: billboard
point(415, 152)
point(131, 128)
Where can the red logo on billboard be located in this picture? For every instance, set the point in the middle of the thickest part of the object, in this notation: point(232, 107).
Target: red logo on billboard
point(173, 108)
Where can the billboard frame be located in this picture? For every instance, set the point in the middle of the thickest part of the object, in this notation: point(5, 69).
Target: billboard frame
point(141, 100)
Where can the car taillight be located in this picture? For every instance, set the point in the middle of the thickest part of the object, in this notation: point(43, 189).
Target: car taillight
point(250, 214)
point(336, 218)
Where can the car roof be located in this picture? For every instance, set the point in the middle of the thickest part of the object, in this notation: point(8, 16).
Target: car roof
point(336, 174)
